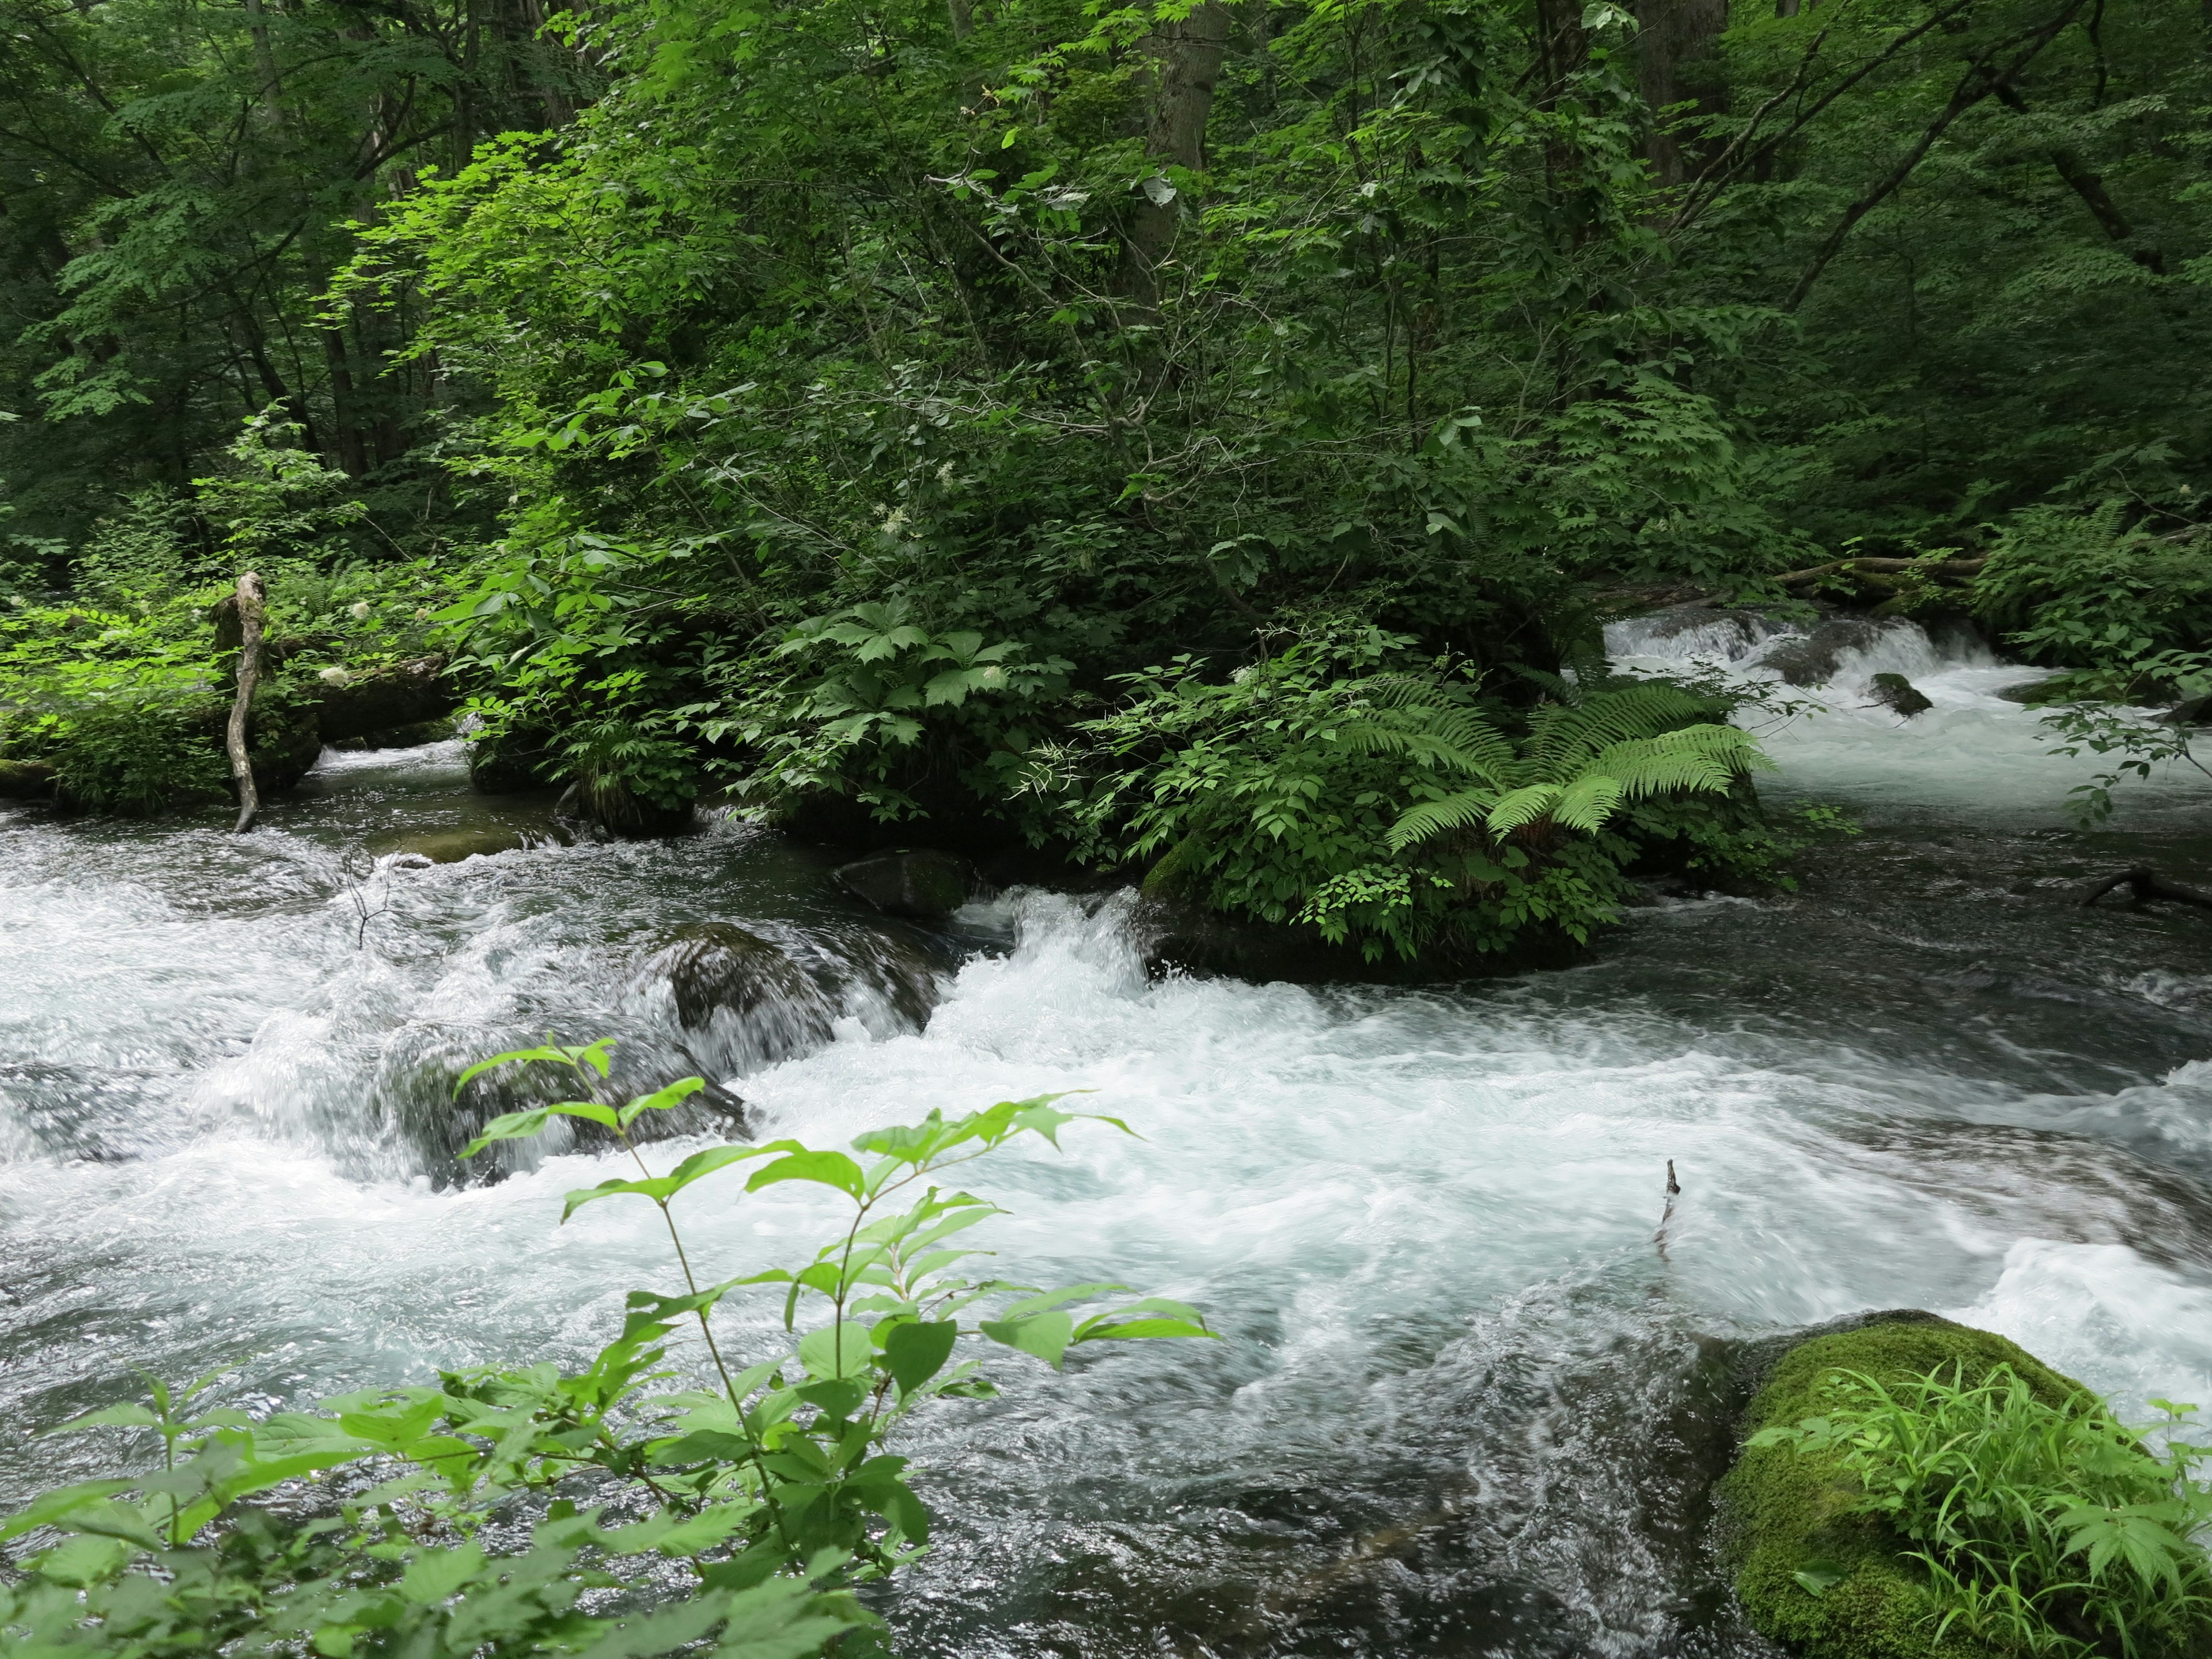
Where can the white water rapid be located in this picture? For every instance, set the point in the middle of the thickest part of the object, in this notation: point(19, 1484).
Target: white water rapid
point(1463, 1399)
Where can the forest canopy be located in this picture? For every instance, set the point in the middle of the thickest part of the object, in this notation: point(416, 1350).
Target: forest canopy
point(1202, 438)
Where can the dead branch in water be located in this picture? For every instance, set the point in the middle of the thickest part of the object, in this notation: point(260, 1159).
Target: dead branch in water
point(251, 602)
point(2145, 886)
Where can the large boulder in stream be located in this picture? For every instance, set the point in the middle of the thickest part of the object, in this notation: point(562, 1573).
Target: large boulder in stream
point(348, 706)
point(925, 883)
point(1813, 1572)
point(749, 1002)
point(1900, 696)
point(26, 779)
point(1814, 659)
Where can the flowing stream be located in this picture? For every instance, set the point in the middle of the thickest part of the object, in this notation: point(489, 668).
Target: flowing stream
point(1465, 1404)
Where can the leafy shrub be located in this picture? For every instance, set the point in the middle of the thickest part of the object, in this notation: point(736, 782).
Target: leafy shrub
point(1389, 806)
point(2127, 611)
point(1979, 1503)
point(139, 755)
point(766, 1495)
point(2101, 591)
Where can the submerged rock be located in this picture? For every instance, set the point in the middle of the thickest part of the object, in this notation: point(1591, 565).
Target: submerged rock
point(452, 846)
point(925, 883)
point(1813, 659)
point(1900, 696)
point(1828, 1583)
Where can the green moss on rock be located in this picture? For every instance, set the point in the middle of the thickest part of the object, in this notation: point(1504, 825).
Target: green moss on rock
point(1786, 1512)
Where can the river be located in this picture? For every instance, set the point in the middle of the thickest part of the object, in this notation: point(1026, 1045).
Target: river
point(1463, 1401)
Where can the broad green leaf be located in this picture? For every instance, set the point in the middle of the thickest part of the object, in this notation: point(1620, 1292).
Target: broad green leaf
point(825, 1169)
point(916, 1351)
point(1044, 1335)
point(836, 1350)
point(661, 1100)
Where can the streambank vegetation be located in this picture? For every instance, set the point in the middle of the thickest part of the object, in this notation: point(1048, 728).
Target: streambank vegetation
point(1203, 441)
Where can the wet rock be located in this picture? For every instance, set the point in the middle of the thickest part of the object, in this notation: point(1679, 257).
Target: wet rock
point(618, 812)
point(2191, 711)
point(452, 846)
point(718, 964)
point(403, 694)
point(507, 764)
point(2034, 693)
point(1900, 696)
point(925, 884)
point(26, 779)
point(1813, 659)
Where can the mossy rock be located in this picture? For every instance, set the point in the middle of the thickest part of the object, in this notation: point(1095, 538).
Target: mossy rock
point(1784, 1512)
point(26, 779)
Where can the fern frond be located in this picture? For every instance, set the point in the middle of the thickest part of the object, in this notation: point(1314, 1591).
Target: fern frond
point(1433, 818)
point(1523, 806)
point(1563, 737)
point(1689, 760)
point(1587, 802)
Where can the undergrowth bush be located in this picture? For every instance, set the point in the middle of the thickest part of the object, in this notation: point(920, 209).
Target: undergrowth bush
point(2045, 1528)
point(1393, 803)
point(726, 1504)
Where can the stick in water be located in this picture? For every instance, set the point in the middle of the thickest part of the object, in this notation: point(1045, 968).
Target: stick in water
point(250, 601)
point(1674, 1192)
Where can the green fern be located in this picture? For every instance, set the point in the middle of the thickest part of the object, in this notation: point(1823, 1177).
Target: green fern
point(1581, 761)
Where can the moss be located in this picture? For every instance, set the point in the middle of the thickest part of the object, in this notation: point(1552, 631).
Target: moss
point(1787, 1512)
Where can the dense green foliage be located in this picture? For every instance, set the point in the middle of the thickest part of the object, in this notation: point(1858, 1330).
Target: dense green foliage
point(650, 1503)
point(852, 414)
point(1925, 1489)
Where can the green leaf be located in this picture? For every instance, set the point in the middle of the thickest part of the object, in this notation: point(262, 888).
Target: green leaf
point(836, 1350)
point(805, 1163)
point(917, 1351)
point(1044, 1335)
point(661, 1100)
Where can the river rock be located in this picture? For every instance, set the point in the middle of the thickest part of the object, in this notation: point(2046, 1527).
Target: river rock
point(417, 736)
point(1900, 696)
point(1813, 659)
point(924, 883)
point(1827, 1582)
point(452, 846)
point(22, 779)
point(403, 694)
point(2189, 711)
point(711, 965)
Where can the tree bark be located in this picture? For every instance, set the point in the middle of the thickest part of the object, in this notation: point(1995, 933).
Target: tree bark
point(251, 602)
point(1188, 57)
point(2090, 188)
point(1669, 32)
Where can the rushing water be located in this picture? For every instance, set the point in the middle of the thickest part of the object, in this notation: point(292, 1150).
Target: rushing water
point(1464, 1406)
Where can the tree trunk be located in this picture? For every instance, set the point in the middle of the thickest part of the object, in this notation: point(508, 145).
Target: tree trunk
point(1188, 57)
point(1669, 34)
point(251, 601)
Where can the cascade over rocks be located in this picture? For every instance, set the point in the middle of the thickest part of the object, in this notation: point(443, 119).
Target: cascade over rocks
point(1813, 659)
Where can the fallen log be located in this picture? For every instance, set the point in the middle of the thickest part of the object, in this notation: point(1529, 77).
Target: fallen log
point(251, 602)
point(1959, 568)
point(2146, 886)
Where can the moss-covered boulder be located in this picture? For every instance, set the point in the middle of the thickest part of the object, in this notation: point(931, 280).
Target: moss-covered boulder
point(1826, 1581)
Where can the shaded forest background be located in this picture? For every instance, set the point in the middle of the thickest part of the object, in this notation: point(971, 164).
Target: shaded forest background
point(1003, 415)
